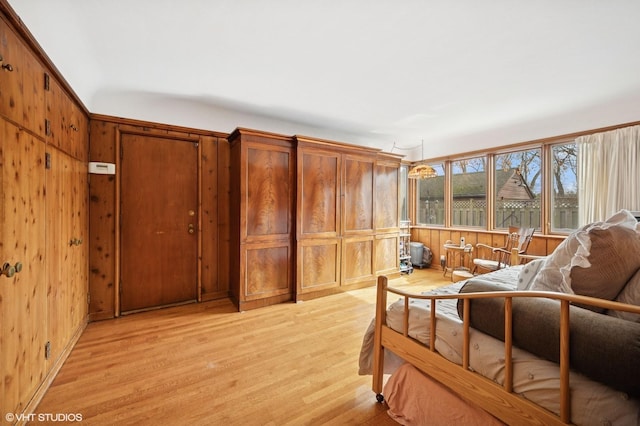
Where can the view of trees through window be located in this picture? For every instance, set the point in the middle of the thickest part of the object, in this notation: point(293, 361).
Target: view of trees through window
point(517, 192)
point(518, 189)
point(564, 195)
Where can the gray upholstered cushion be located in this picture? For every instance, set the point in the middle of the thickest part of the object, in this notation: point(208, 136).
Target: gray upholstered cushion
point(602, 347)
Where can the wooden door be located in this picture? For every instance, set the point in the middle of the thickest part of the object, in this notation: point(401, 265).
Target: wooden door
point(23, 296)
point(159, 221)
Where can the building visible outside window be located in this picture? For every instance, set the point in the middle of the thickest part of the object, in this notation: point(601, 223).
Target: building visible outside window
point(469, 190)
point(430, 203)
point(518, 188)
point(564, 193)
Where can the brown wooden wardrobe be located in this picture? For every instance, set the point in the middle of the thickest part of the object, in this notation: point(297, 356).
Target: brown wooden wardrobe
point(309, 217)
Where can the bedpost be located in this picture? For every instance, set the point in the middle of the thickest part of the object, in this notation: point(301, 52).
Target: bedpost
point(515, 257)
point(378, 349)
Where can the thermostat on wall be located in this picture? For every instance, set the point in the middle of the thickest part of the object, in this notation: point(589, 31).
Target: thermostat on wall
point(102, 168)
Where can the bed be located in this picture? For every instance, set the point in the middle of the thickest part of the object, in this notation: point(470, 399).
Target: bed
point(467, 339)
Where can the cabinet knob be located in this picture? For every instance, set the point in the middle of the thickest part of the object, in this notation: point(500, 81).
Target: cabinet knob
point(7, 67)
point(74, 127)
point(75, 241)
point(10, 270)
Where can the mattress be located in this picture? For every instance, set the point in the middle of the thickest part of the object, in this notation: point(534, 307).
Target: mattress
point(538, 380)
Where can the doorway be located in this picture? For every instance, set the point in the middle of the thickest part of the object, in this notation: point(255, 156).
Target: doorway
point(158, 221)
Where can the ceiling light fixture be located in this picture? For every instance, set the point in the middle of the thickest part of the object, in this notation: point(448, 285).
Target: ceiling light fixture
point(422, 171)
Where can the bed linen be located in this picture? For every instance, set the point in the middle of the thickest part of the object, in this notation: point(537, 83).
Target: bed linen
point(536, 379)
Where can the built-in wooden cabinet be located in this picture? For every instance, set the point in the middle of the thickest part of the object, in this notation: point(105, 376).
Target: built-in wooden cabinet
point(262, 200)
point(43, 221)
point(346, 215)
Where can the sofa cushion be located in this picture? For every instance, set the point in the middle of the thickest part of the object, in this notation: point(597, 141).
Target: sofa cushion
point(596, 260)
point(602, 347)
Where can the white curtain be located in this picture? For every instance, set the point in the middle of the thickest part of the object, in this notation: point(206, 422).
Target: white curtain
point(608, 173)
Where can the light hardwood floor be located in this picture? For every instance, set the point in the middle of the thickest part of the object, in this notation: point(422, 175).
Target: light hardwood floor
point(205, 364)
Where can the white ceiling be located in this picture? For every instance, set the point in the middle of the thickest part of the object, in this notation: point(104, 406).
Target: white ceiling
point(460, 75)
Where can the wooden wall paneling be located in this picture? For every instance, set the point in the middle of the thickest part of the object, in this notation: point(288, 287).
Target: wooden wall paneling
point(102, 224)
point(23, 297)
point(209, 217)
point(434, 238)
point(224, 224)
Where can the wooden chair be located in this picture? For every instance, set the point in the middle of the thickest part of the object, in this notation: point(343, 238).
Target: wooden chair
point(493, 258)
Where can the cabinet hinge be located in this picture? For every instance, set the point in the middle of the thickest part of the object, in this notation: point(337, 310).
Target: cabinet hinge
point(47, 127)
point(47, 160)
point(47, 350)
point(88, 299)
point(46, 81)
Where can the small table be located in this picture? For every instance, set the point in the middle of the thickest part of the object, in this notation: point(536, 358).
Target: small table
point(456, 258)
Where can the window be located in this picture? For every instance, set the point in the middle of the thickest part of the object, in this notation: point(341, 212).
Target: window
point(564, 193)
point(469, 189)
point(518, 189)
point(430, 203)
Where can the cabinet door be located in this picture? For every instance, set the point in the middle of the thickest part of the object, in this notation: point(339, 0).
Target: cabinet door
point(358, 195)
point(266, 223)
point(21, 82)
point(387, 212)
point(23, 307)
point(319, 177)
point(66, 248)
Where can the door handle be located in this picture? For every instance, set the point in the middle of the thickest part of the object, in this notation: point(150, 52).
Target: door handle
point(192, 228)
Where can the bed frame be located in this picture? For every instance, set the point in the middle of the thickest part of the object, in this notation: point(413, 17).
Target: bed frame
point(498, 400)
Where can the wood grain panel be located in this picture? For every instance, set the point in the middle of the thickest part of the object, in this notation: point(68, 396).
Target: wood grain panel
point(358, 259)
point(67, 251)
point(386, 204)
point(102, 223)
point(269, 194)
point(319, 264)
point(210, 283)
point(319, 191)
point(434, 238)
point(358, 195)
point(387, 252)
point(11, 100)
point(23, 297)
point(267, 269)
